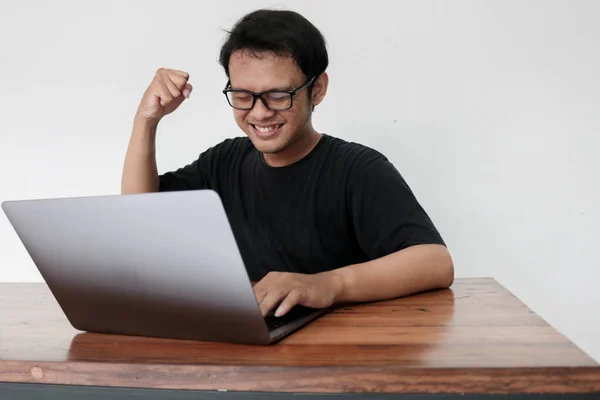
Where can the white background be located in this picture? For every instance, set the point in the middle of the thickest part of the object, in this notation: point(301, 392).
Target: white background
point(490, 110)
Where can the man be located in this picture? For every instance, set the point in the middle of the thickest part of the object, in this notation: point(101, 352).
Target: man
point(318, 220)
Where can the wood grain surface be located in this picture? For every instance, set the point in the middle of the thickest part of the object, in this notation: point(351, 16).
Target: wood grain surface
point(475, 337)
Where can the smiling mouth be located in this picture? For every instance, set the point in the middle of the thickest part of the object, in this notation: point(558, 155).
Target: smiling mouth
point(267, 128)
point(266, 131)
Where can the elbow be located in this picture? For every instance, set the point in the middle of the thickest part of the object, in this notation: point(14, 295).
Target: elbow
point(446, 269)
point(440, 267)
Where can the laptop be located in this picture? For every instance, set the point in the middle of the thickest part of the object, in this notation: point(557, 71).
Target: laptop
point(161, 265)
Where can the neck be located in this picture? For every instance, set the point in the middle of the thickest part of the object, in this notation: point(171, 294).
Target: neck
point(295, 151)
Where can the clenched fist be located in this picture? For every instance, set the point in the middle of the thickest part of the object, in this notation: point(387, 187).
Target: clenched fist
point(168, 90)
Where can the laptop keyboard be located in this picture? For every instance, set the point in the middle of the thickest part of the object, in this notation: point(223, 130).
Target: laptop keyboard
point(295, 313)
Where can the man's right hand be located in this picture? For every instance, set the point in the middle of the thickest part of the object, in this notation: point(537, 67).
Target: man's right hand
point(168, 90)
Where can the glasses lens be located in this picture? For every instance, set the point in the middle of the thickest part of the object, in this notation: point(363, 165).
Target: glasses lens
point(278, 100)
point(240, 100)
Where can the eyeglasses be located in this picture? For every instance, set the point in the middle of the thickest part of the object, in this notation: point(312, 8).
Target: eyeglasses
point(274, 100)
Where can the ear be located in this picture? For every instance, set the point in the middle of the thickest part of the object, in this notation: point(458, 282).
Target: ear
point(319, 89)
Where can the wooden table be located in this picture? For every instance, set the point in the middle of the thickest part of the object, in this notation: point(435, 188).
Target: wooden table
point(475, 339)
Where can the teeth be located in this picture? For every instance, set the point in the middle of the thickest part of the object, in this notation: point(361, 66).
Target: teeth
point(266, 129)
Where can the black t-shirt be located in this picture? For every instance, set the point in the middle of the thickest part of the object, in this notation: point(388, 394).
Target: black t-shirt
point(342, 204)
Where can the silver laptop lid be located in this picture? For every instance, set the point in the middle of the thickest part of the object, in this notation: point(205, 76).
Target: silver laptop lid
point(158, 264)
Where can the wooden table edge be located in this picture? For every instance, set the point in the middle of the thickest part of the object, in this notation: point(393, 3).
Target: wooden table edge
point(353, 379)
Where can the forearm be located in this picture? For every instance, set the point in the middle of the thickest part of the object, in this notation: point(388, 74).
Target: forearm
point(139, 171)
point(412, 270)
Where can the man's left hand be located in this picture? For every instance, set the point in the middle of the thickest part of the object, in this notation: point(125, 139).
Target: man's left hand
point(288, 289)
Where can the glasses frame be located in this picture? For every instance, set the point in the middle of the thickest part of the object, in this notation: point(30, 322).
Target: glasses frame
point(255, 96)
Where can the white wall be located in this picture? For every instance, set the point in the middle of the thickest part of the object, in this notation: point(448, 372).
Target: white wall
point(489, 109)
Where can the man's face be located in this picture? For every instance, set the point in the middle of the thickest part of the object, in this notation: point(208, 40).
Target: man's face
point(270, 131)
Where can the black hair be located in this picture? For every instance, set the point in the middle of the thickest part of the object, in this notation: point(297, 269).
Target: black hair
point(283, 33)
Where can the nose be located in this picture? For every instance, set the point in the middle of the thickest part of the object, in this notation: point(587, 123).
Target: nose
point(260, 111)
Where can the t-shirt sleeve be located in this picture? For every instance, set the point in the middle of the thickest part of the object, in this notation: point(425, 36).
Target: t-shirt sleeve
point(386, 214)
point(196, 175)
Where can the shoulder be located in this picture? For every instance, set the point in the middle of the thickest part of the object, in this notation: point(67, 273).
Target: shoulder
point(355, 158)
point(352, 153)
point(364, 168)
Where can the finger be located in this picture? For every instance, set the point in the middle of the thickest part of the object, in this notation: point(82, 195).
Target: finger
point(175, 92)
point(292, 299)
point(164, 94)
point(187, 92)
point(271, 300)
point(262, 287)
point(178, 80)
point(183, 74)
point(260, 292)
